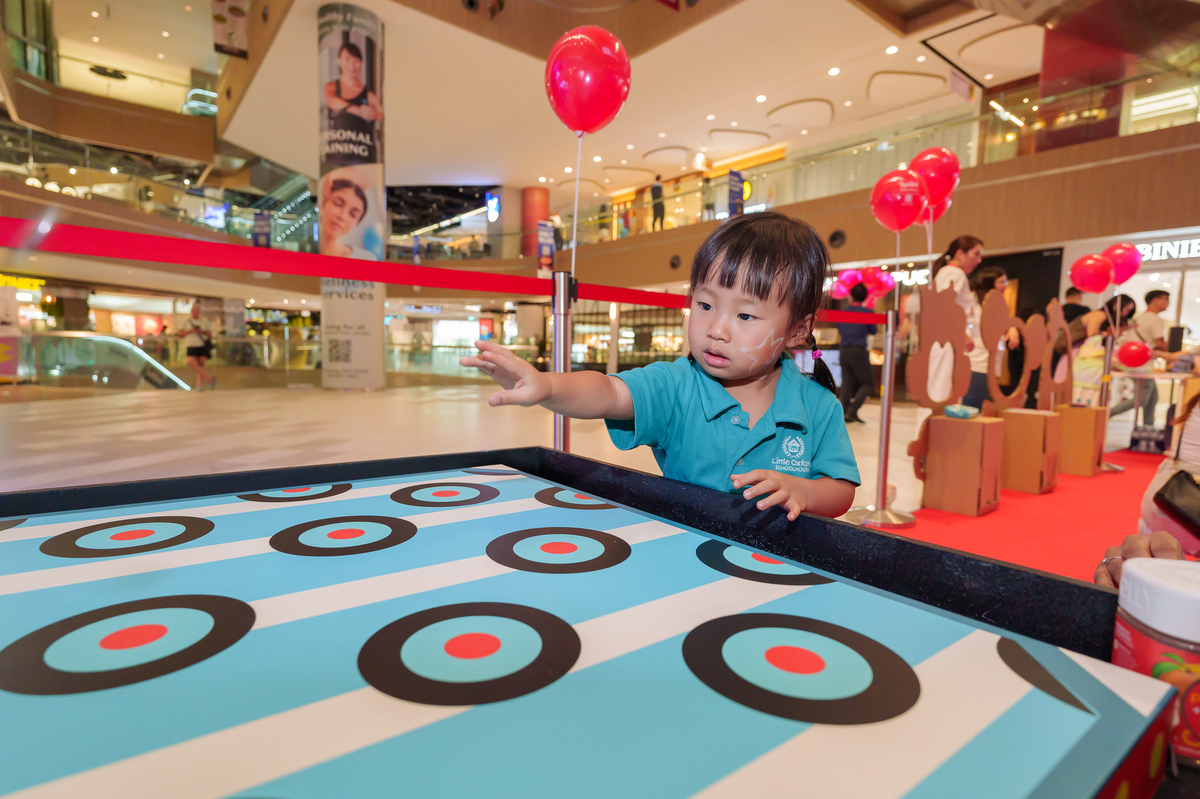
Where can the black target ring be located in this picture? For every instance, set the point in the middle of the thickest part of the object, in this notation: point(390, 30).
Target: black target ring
point(893, 689)
point(613, 551)
point(8, 524)
point(332, 491)
point(712, 554)
point(549, 496)
point(381, 665)
point(405, 495)
point(291, 541)
point(65, 545)
point(23, 668)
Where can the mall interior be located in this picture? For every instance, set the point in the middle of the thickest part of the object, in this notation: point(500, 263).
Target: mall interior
point(245, 246)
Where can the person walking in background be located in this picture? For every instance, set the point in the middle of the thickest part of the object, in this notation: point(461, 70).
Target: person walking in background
point(656, 196)
point(858, 378)
point(709, 197)
point(1072, 307)
point(1149, 327)
point(197, 337)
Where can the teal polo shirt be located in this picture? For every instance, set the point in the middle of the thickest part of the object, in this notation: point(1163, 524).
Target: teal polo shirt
point(700, 434)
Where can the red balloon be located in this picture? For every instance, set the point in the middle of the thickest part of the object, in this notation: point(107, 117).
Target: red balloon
point(848, 277)
point(885, 283)
point(1126, 260)
point(839, 290)
point(940, 170)
point(1134, 354)
point(898, 199)
point(1091, 274)
point(870, 276)
point(587, 78)
point(933, 213)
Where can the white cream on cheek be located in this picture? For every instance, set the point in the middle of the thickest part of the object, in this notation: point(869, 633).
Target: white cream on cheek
point(776, 345)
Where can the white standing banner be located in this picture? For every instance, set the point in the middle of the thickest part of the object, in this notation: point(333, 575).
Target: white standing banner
point(352, 333)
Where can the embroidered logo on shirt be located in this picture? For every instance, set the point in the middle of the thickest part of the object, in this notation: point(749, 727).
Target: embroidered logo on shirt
point(793, 446)
point(793, 449)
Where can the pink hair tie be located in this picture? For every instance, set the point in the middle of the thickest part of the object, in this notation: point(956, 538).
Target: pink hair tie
point(816, 355)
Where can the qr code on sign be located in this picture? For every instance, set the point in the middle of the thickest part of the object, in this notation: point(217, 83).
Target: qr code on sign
point(339, 350)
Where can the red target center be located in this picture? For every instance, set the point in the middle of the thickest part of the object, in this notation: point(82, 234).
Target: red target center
point(582, 496)
point(795, 660)
point(765, 559)
point(558, 548)
point(470, 646)
point(138, 635)
point(349, 532)
point(295, 490)
point(446, 493)
point(130, 535)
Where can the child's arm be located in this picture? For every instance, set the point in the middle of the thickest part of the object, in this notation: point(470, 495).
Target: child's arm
point(580, 395)
point(824, 496)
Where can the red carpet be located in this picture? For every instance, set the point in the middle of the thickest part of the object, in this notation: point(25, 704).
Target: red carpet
point(1064, 532)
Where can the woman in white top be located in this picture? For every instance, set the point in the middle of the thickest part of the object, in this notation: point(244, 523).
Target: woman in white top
point(1185, 458)
point(197, 337)
point(950, 272)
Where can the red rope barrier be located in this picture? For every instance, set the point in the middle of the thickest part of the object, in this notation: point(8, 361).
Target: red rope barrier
point(852, 317)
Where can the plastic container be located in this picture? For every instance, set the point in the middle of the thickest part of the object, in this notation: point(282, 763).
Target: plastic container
point(1158, 633)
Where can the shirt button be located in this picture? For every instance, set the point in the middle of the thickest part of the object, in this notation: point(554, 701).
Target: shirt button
point(735, 419)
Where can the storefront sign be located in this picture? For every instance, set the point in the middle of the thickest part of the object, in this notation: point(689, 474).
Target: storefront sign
point(22, 283)
point(736, 196)
point(493, 206)
point(262, 229)
point(545, 241)
point(352, 333)
point(422, 309)
point(8, 356)
point(229, 27)
point(1165, 250)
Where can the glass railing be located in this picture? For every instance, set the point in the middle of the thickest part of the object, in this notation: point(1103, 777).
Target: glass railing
point(87, 360)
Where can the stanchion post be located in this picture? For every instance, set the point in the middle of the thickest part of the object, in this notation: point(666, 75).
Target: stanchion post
point(561, 356)
point(882, 516)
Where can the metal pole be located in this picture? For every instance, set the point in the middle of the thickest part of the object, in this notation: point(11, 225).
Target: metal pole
point(882, 516)
point(1106, 378)
point(561, 355)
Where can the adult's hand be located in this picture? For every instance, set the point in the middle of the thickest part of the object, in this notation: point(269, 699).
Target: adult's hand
point(1155, 545)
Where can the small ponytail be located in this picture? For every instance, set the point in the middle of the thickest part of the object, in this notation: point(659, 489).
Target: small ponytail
point(820, 373)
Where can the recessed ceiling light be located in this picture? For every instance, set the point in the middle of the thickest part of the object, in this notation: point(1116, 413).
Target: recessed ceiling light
point(1025, 100)
point(623, 161)
point(892, 50)
point(1035, 108)
point(834, 71)
point(160, 55)
point(762, 98)
point(186, 181)
point(606, 180)
point(662, 135)
point(628, 146)
point(568, 170)
point(187, 8)
point(540, 180)
point(733, 124)
point(595, 194)
point(703, 149)
point(95, 38)
point(920, 59)
point(285, 302)
point(596, 158)
point(95, 14)
point(165, 34)
point(848, 103)
point(682, 168)
point(988, 76)
point(804, 133)
point(71, 170)
point(551, 180)
point(711, 117)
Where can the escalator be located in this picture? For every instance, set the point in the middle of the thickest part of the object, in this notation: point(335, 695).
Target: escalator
point(72, 359)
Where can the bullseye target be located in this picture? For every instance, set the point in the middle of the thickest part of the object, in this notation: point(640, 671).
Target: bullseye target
point(300, 494)
point(123, 644)
point(445, 495)
point(801, 669)
point(343, 535)
point(8, 524)
point(558, 550)
point(738, 562)
point(126, 537)
point(469, 654)
point(569, 498)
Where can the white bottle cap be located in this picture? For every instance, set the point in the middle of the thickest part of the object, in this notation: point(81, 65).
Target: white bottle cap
point(1163, 594)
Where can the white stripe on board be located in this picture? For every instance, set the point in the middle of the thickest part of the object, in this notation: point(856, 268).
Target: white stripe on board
point(24, 533)
point(118, 566)
point(964, 688)
point(369, 590)
point(238, 758)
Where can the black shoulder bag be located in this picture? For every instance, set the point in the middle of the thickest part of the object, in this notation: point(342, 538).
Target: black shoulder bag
point(1179, 497)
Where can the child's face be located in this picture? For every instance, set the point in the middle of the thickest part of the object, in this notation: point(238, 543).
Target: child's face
point(734, 335)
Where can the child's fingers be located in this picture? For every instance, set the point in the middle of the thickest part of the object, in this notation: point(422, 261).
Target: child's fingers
point(755, 476)
point(520, 395)
point(777, 498)
point(764, 487)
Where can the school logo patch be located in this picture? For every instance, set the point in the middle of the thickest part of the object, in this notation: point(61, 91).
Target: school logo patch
point(793, 446)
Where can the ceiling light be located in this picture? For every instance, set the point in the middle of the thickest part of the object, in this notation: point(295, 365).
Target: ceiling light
point(160, 55)
point(804, 133)
point(682, 168)
point(112, 169)
point(551, 180)
point(540, 180)
point(988, 76)
point(1025, 100)
point(606, 180)
point(892, 50)
point(304, 302)
point(920, 59)
point(187, 182)
point(596, 158)
point(733, 124)
point(711, 117)
point(285, 302)
point(165, 34)
point(95, 38)
point(762, 98)
point(703, 149)
point(595, 194)
point(71, 170)
point(95, 14)
point(568, 170)
point(623, 161)
point(834, 71)
point(662, 135)
point(847, 103)
point(187, 8)
point(1035, 108)
point(628, 146)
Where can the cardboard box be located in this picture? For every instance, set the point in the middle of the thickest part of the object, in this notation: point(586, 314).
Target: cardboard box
point(1083, 433)
point(1031, 444)
point(962, 467)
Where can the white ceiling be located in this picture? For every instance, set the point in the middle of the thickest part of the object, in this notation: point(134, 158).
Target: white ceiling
point(462, 109)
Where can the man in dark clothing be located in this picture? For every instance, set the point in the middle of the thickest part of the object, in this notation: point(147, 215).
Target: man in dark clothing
point(858, 378)
point(660, 210)
point(1072, 308)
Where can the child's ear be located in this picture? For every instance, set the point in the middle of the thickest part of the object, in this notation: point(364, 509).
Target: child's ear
point(800, 332)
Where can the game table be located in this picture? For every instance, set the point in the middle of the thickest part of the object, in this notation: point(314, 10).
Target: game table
point(526, 623)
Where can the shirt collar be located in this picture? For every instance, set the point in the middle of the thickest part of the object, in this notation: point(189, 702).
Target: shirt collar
point(715, 400)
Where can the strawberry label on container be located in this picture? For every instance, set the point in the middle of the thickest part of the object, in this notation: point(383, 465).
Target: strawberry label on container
point(1133, 650)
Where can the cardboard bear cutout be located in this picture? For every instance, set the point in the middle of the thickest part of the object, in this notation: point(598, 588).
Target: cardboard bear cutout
point(942, 321)
point(994, 323)
point(1050, 392)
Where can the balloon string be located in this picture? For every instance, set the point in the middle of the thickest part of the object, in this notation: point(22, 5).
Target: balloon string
point(897, 249)
point(575, 215)
point(929, 243)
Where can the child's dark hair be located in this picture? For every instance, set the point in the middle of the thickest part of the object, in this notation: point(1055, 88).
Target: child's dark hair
point(767, 254)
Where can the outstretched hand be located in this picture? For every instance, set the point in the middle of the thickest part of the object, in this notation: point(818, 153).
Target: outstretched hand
point(1155, 545)
point(523, 384)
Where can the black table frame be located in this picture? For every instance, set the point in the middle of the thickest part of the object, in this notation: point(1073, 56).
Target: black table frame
point(1060, 611)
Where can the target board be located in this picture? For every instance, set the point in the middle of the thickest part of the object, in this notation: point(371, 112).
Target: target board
point(371, 638)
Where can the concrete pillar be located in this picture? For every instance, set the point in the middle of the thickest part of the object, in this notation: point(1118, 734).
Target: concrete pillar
point(504, 234)
point(614, 338)
point(535, 207)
